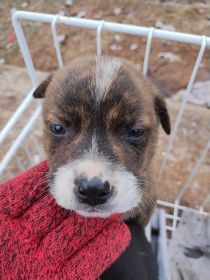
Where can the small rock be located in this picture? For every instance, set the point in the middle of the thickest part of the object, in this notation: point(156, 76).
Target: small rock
point(117, 11)
point(201, 11)
point(81, 14)
point(98, 15)
point(2, 61)
point(24, 5)
point(195, 186)
point(183, 130)
point(117, 37)
point(61, 38)
point(133, 47)
point(169, 56)
point(8, 46)
point(12, 11)
point(159, 24)
point(115, 47)
point(172, 157)
point(69, 2)
point(61, 13)
point(133, 14)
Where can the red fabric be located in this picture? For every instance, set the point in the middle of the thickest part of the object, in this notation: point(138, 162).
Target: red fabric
point(40, 240)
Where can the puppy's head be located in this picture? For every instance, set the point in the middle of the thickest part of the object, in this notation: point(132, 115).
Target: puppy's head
point(100, 129)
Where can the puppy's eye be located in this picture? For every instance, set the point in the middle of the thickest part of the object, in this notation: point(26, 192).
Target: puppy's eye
point(135, 133)
point(58, 129)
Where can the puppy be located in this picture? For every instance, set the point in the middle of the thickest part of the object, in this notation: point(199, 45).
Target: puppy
point(137, 262)
point(101, 121)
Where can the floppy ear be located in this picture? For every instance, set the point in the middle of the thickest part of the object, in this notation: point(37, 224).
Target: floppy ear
point(41, 89)
point(162, 113)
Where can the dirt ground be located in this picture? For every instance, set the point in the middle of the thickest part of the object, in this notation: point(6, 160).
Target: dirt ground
point(189, 16)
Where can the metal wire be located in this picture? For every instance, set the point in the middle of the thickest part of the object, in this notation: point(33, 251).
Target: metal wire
point(151, 34)
point(16, 116)
point(24, 132)
point(56, 41)
point(183, 105)
point(147, 52)
point(98, 38)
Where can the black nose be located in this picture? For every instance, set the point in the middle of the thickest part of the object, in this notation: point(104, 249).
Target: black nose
point(93, 192)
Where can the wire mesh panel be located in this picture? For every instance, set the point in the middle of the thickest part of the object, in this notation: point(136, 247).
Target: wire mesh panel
point(24, 149)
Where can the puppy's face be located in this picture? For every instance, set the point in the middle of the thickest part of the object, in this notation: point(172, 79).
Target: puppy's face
point(100, 129)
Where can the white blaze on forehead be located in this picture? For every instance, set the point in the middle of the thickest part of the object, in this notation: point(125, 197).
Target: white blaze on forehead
point(94, 144)
point(106, 72)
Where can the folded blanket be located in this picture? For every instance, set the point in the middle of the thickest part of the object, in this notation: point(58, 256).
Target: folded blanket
point(189, 250)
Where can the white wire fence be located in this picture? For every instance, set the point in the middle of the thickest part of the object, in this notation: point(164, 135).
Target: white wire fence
point(25, 149)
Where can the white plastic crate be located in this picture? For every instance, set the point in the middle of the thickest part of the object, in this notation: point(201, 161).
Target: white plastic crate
point(25, 149)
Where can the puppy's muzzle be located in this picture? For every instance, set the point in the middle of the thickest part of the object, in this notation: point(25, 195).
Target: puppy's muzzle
point(92, 192)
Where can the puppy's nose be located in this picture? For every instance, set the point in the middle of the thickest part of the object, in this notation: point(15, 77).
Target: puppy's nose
point(93, 192)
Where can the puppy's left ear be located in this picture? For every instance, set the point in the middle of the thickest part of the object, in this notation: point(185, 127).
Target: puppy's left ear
point(162, 113)
point(41, 89)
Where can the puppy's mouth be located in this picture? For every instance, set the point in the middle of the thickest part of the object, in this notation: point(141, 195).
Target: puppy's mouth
point(93, 189)
point(97, 211)
point(106, 210)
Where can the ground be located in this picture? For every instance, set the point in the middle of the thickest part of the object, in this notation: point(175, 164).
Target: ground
point(184, 18)
point(170, 76)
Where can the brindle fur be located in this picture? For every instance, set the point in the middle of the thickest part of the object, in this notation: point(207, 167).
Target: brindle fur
point(131, 99)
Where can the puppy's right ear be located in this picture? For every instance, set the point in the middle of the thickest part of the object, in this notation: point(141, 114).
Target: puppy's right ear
point(40, 91)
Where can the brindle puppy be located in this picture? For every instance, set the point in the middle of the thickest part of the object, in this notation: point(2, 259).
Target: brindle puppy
point(101, 121)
